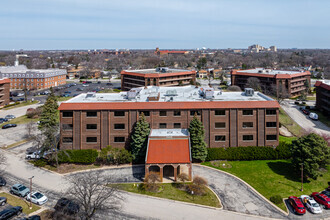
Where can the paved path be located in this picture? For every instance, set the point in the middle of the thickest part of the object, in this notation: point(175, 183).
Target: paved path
point(303, 120)
point(19, 111)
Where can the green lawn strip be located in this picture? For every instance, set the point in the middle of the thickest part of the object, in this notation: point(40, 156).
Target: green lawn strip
point(169, 191)
point(17, 201)
point(62, 99)
point(273, 177)
point(286, 139)
point(291, 125)
point(21, 105)
point(311, 98)
point(21, 120)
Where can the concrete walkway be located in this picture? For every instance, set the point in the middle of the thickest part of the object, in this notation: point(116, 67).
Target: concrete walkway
point(19, 111)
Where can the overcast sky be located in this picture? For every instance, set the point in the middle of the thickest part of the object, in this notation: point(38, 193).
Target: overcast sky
point(138, 24)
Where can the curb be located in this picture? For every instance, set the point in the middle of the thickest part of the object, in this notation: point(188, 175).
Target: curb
point(280, 210)
point(221, 206)
point(101, 168)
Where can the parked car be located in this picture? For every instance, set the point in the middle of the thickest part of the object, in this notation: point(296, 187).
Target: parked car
point(4, 119)
point(99, 82)
point(109, 84)
point(67, 92)
point(296, 102)
point(79, 89)
point(322, 199)
point(20, 94)
point(313, 116)
point(20, 99)
point(20, 190)
point(305, 111)
point(33, 217)
point(10, 212)
point(33, 155)
point(3, 201)
point(65, 95)
point(37, 198)
point(84, 85)
point(9, 126)
point(326, 192)
point(67, 206)
point(311, 204)
point(2, 181)
point(297, 205)
point(10, 117)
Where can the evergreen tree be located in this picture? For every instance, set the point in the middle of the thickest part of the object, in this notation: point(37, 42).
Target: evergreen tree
point(139, 139)
point(313, 151)
point(198, 145)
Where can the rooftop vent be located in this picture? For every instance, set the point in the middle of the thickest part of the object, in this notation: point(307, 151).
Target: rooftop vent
point(172, 92)
point(208, 93)
point(131, 94)
point(249, 92)
point(90, 95)
point(162, 69)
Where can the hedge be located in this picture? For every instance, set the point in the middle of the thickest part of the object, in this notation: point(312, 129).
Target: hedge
point(86, 156)
point(250, 153)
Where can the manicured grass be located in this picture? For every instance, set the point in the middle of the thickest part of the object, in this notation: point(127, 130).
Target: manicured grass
point(311, 98)
point(273, 177)
point(16, 201)
point(21, 120)
point(291, 125)
point(286, 139)
point(62, 99)
point(21, 104)
point(169, 191)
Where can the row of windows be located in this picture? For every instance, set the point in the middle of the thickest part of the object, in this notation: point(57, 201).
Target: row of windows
point(92, 139)
point(92, 126)
point(219, 138)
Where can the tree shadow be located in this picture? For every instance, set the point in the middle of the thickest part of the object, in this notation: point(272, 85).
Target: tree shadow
point(284, 169)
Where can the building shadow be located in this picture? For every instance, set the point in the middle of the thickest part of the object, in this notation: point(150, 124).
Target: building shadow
point(138, 171)
point(285, 169)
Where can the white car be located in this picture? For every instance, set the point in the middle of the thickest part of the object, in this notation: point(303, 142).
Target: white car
point(85, 85)
point(33, 155)
point(313, 116)
point(311, 204)
point(37, 198)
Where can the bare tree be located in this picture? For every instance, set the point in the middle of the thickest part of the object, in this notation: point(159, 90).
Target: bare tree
point(92, 192)
point(254, 83)
point(279, 93)
point(30, 130)
point(234, 89)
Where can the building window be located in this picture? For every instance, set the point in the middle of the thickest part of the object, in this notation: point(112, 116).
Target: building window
point(162, 125)
point(220, 112)
point(271, 124)
point(247, 137)
point(119, 126)
point(247, 112)
point(119, 113)
point(220, 125)
point(91, 139)
point(177, 113)
point(247, 124)
point(67, 114)
point(146, 113)
point(67, 126)
point(271, 137)
point(92, 114)
point(193, 112)
point(162, 113)
point(270, 111)
point(119, 139)
point(177, 125)
point(67, 139)
point(220, 138)
point(91, 126)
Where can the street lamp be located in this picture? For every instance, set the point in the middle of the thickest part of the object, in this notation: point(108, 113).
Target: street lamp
point(30, 190)
point(302, 176)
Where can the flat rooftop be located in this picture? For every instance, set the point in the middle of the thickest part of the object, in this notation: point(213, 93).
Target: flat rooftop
point(327, 82)
point(269, 71)
point(168, 133)
point(160, 70)
point(168, 94)
point(10, 71)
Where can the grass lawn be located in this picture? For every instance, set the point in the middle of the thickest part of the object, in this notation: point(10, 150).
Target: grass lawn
point(67, 168)
point(169, 191)
point(287, 122)
point(286, 139)
point(21, 120)
point(311, 98)
point(17, 201)
point(273, 177)
point(62, 99)
point(21, 104)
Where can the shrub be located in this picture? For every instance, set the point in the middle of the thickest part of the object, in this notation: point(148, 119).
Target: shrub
point(195, 189)
point(33, 113)
point(183, 177)
point(39, 163)
point(110, 155)
point(200, 181)
point(277, 199)
point(150, 181)
point(86, 156)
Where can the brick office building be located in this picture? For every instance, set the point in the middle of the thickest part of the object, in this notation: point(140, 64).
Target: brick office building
point(323, 96)
point(21, 77)
point(230, 118)
point(293, 81)
point(161, 76)
point(4, 92)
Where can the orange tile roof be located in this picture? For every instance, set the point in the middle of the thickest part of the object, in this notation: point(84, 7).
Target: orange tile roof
point(168, 151)
point(3, 81)
point(167, 105)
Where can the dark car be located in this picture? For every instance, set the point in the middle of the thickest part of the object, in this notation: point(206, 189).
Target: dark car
point(67, 92)
point(297, 205)
point(4, 119)
point(9, 126)
point(20, 99)
point(80, 89)
point(65, 95)
point(98, 82)
point(305, 111)
point(109, 84)
point(10, 212)
point(67, 206)
point(2, 181)
point(3, 201)
point(33, 217)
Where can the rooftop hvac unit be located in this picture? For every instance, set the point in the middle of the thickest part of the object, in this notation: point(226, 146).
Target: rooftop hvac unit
point(171, 92)
point(208, 94)
point(249, 92)
point(90, 95)
point(131, 94)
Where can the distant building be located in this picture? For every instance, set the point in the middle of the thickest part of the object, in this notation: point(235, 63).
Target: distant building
point(273, 48)
point(173, 52)
point(161, 76)
point(73, 72)
point(256, 48)
point(323, 96)
point(4, 92)
point(293, 81)
point(21, 77)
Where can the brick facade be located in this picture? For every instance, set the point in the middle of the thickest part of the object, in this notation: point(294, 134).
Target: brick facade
point(4, 92)
point(323, 97)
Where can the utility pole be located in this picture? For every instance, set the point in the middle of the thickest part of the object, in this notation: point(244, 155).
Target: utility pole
point(302, 176)
point(31, 191)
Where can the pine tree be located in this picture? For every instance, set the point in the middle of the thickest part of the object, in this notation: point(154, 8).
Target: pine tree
point(198, 145)
point(139, 139)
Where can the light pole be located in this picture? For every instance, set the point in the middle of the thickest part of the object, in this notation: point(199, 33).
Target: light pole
point(31, 191)
point(302, 176)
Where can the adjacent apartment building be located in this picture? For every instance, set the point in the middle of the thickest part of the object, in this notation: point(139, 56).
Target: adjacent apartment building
point(23, 78)
point(323, 96)
point(161, 76)
point(294, 82)
point(4, 92)
point(230, 119)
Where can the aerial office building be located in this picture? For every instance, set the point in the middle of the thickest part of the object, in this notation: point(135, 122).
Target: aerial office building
point(4, 92)
point(323, 96)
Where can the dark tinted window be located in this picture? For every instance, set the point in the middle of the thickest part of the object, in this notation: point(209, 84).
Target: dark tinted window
point(92, 114)
point(271, 137)
point(192, 113)
point(67, 114)
point(162, 125)
point(247, 137)
point(91, 139)
point(119, 126)
point(162, 113)
point(67, 139)
point(177, 113)
point(247, 112)
point(247, 124)
point(271, 124)
point(119, 139)
point(177, 125)
point(220, 138)
point(146, 113)
point(220, 112)
point(270, 111)
point(67, 126)
point(119, 113)
point(220, 125)
point(91, 126)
